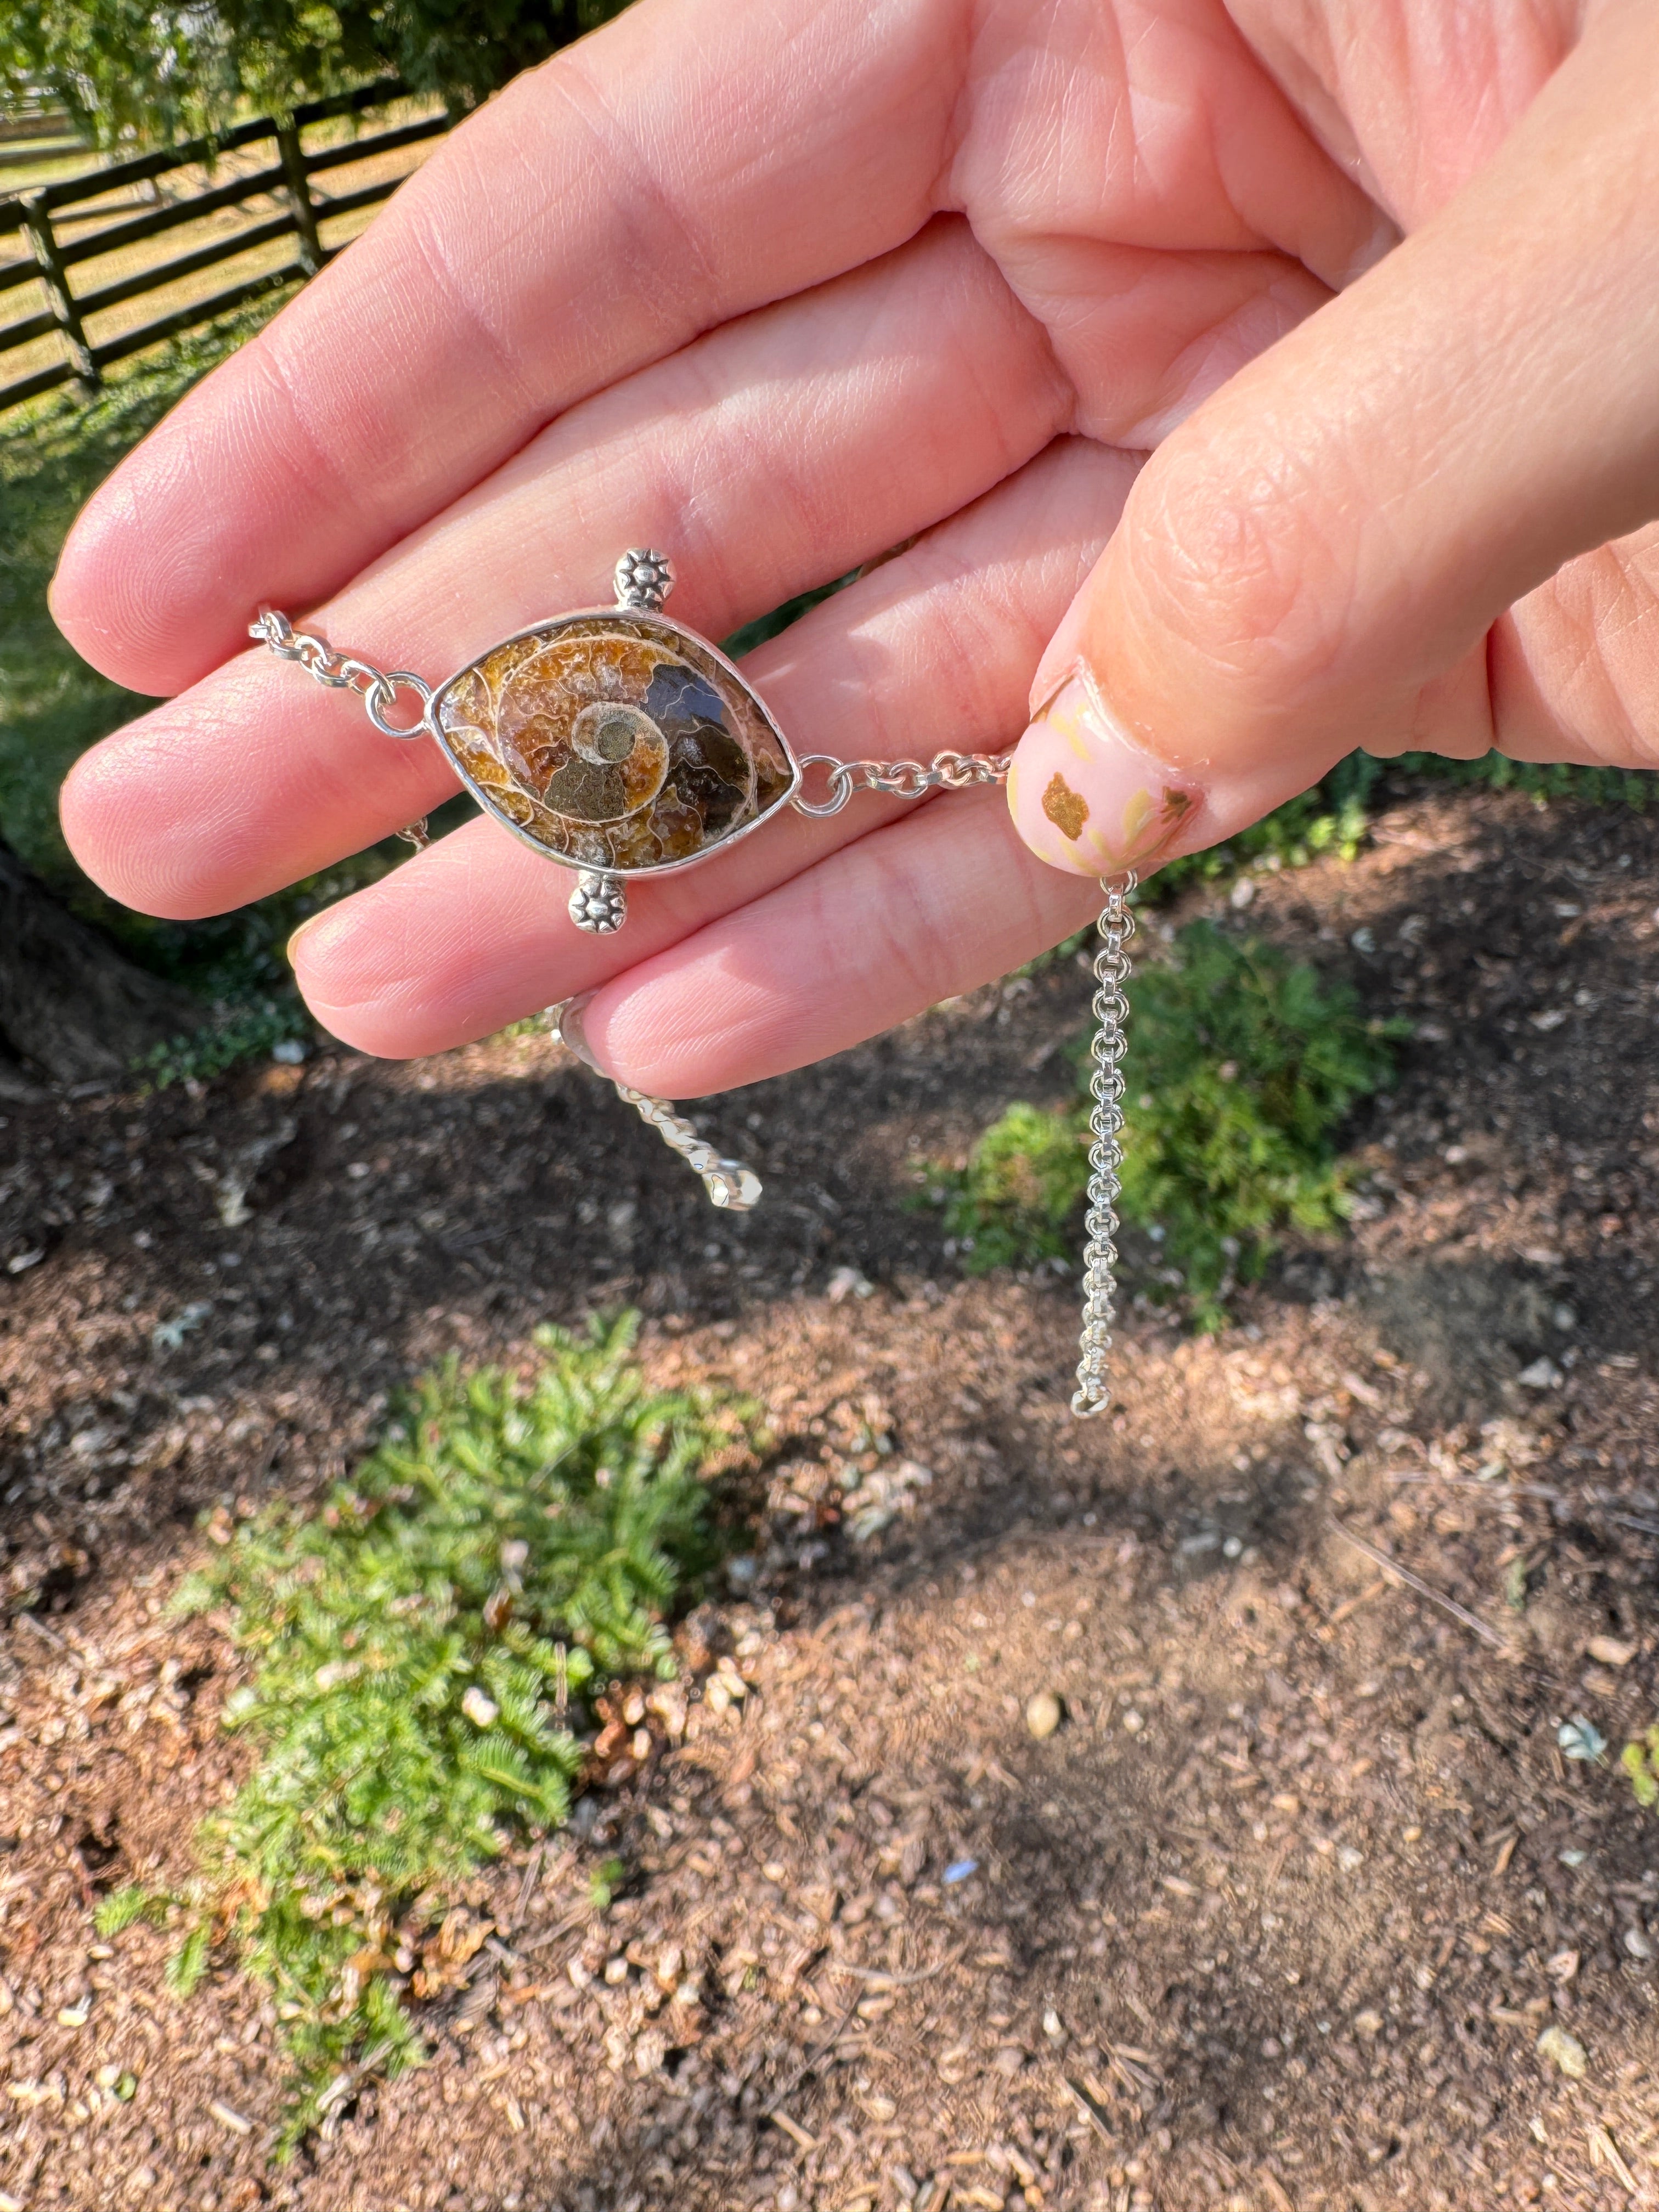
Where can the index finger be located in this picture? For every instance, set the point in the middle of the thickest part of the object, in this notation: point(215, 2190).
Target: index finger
point(680, 167)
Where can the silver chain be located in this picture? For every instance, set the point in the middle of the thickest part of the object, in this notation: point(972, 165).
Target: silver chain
point(729, 1183)
point(900, 779)
point(732, 1186)
point(1116, 926)
point(377, 687)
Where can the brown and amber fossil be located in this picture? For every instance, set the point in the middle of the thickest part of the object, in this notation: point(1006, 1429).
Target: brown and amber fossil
point(615, 742)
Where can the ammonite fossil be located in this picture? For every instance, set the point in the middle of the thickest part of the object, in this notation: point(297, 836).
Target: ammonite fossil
point(616, 742)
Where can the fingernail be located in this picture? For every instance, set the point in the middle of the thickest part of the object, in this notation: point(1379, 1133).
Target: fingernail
point(571, 1032)
point(1085, 798)
point(311, 923)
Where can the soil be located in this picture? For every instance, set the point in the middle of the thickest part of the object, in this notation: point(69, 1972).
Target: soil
point(1274, 1917)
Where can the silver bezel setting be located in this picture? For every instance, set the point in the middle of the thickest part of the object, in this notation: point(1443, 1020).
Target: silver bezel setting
point(550, 628)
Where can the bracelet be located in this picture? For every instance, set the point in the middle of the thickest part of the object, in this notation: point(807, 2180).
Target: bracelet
point(619, 744)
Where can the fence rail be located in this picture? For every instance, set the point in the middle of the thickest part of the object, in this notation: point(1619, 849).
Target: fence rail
point(40, 217)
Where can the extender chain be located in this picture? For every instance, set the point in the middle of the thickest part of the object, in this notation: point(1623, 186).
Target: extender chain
point(1116, 926)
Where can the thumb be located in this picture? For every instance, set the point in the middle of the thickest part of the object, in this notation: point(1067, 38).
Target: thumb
point(1313, 561)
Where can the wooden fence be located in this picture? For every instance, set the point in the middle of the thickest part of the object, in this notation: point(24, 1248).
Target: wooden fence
point(52, 254)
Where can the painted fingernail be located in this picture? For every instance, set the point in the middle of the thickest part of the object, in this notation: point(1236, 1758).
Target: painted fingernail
point(1083, 797)
point(571, 1033)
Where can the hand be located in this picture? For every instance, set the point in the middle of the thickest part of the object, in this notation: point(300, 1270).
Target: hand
point(779, 289)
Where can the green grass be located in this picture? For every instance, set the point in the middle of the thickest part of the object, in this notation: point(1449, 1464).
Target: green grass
point(54, 453)
point(1243, 1067)
point(421, 1649)
point(243, 1032)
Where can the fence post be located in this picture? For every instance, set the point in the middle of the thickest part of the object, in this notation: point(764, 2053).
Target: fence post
point(54, 275)
point(298, 194)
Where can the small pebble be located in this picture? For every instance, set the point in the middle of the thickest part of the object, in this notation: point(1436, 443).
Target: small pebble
point(1043, 1713)
point(1565, 2052)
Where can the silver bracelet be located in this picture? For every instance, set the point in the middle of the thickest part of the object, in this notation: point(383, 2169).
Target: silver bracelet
point(619, 744)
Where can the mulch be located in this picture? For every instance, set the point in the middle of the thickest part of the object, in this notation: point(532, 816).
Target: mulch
point(1278, 1912)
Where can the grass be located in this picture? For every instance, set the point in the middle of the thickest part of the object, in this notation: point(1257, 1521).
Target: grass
point(1013, 1203)
point(1243, 1066)
point(54, 454)
point(423, 1652)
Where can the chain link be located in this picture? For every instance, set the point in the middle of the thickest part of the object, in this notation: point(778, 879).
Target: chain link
point(1116, 926)
point(377, 687)
point(899, 779)
point(732, 1186)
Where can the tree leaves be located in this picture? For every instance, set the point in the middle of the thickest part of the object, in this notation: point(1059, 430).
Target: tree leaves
point(134, 71)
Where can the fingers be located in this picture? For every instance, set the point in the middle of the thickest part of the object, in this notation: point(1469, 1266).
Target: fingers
point(915, 913)
point(774, 454)
point(1314, 561)
point(932, 649)
point(1574, 666)
point(692, 161)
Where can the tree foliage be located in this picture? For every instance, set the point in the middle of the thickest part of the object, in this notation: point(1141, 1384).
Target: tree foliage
point(141, 72)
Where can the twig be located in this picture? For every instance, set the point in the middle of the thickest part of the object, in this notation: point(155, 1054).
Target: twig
point(560, 1928)
point(1499, 1490)
point(1470, 1620)
point(1092, 2109)
point(47, 1634)
point(1349, 1606)
point(1602, 1512)
point(526, 1888)
point(879, 1979)
point(1603, 2147)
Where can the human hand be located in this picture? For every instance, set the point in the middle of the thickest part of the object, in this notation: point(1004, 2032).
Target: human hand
point(778, 292)
point(1425, 519)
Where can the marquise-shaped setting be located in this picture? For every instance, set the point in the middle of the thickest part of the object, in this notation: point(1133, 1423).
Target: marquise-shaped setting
point(615, 740)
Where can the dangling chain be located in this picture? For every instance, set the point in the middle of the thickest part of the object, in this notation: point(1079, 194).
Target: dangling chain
point(729, 1183)
point(1116, 926)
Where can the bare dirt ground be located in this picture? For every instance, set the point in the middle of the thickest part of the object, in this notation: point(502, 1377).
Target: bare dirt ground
point(1273, 1920)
